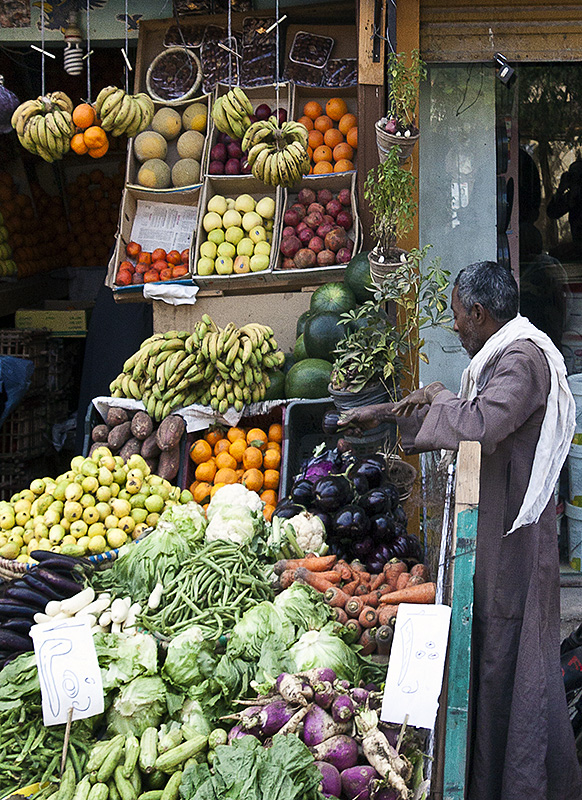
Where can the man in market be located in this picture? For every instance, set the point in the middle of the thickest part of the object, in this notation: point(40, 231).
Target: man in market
point(516, 402)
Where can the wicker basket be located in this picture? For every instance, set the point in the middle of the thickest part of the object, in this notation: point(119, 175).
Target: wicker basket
point(402, 475)
point(380, 270)
point(386, 141)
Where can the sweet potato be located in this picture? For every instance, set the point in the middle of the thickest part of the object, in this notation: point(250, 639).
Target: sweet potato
point(100, 433)
point(170, 432)
point(131, 448)
point(116, 416)
point(402, 581)
point(119, 435)
point(141, 425)
point(149, 448)
point(169, 463)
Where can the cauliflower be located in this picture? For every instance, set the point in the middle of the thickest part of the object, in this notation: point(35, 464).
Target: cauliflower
point(235, 514)
point(234, 494)
point(309, 532)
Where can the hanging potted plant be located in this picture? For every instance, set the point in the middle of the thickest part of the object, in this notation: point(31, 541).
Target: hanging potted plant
point(399, 127)
point(389, 191)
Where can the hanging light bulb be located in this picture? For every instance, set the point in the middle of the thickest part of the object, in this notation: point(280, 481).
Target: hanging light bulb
point(73, 53)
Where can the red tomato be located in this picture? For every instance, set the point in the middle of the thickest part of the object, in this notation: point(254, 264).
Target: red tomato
point(179, 271)
point(151, 275)
point(159, 254)
point(137, 278)
point(123, 278)
point(166, 274)
point(141, 268)
point(133, 249)
point(127, 265)
point(173, 257)
point(145, 257)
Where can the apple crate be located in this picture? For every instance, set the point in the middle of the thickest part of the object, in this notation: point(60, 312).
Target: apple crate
point(232, 188)
point(133, 165)
point(167, 222)
point(320, 94)
point(345, 181)
point(258, 95)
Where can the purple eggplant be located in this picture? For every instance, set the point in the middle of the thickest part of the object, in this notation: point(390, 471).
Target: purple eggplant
point(399, 515)
point(371, 469)
point(326, 518)
point(406, 546)
point(318, 726)
point(302, 492)
point(342, 709)
point(59, 583)
point(10, 609)
point(331, 782)
point(22, 626)
point(31, 579)
point(356, 782)
point(333, 492)
point(362, 547)
point(394, 494)
point(286, 508)
point(376, 501)
point(382, 527)
point(322, 465)
point(14, 642)
point(329, 424)
point(351, 523)
point(341, 751)
point(324, 694)
point(24, 594)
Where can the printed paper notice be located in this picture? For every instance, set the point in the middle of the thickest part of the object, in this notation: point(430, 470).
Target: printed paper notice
point(417, 662)
point(164, 225)
point(68, 670)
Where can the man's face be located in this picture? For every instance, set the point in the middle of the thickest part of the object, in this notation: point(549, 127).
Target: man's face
point(465, 326)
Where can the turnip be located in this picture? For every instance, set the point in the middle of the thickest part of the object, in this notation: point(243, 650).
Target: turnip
point(341, 751)
point(318, 726)
point(295, 721)
point(248, 719)
point(237, 733)
point(342, 708)
point(360, 696)
point(331, 782)
point(324, 694)
point(271, 718)
point(291, 688)
point(396, 769)
point(356, 782)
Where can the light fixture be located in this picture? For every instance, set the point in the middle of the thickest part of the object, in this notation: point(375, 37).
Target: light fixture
point(73, 54)
point(504, 71)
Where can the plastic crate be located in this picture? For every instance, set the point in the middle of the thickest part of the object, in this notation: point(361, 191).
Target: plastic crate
point(12, 477)
point(302, 433)
point(25, 433)
point(29, 344)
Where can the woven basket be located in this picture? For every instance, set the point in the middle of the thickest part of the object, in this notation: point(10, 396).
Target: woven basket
point(380, 270)
point(386, 141)
point(402, 475)
point(196, 70)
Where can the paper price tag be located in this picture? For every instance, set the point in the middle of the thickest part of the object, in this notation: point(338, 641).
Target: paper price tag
point(417, 662)
point(68, 670)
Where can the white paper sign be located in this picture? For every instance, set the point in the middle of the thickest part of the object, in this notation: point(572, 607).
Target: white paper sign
point(416, 666)
point(164, 225)
point(68, 670)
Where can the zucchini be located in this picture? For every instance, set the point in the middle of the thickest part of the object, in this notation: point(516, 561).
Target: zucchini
point(169, 760)
point(152, 794)
point(172, 790)
point(83, 789)
point(124, 787)
point(100, 751)
point(148, 749)
point(112, 759)
point(99, 791)
point(131, 754)
point(68, 784)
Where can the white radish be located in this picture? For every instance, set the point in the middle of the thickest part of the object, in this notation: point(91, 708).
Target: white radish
point(96, 607)
point(119, 610)
point(116, 627)
point(129, 624)
point(78, 601)
point(39, 617)
point(52, 608)
point(105, 620)
point(396, 769)
point(155, 597)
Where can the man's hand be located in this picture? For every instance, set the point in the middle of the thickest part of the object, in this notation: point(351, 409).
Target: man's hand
point(417, 399)
point(364, 418)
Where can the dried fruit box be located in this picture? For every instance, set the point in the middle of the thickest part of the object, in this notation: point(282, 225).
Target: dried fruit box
point(233, 188)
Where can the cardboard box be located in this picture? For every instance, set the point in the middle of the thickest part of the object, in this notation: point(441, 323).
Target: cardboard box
point(59, 323)
point(304, 94)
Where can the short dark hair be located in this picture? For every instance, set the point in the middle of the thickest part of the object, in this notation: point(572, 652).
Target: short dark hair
point(491, 285)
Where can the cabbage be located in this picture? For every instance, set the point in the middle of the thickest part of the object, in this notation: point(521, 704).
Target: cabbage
point(124, 656)
point(188, 660)
point(304, 607)
point(192, 716)
point(235, 514)
point(324, 649)
point(139, 705)
point(187, 520)
point(258, 625)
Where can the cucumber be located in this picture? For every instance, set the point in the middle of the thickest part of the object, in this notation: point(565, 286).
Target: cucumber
point(131, 754)
point(99, 791)
point(124, 787)
point(83, 789)
point(112, 759)
point(167, 761)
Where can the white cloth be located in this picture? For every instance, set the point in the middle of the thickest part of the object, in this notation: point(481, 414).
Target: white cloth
point(559, 421)
point(175, 294)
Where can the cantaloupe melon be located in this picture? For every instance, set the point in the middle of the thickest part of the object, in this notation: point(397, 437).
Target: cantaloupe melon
point(190, 145)
point(150, 144)
point(194, 117)
point(155, 174)
point(168, 122)
point(186, 172)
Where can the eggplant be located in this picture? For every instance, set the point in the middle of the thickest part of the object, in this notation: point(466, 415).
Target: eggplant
point(407, 546)
point(399, 515)
point(351, 522)
point(356, 782)
point(19, 625)
point(392, 491)
point(361, 484)
point(325, 518)
point(333, 492)
point(318, 726)
point(31, 579)
point(59, 583)
point(330, 420)
point(10, 609)
point(372, 469)
point(382, 527)
point(52, 560)
point(24, 594)
point(12, 641)
point(341, 751)
point(322, 465)
point(375, 567)
point(286, 508)
point(331, 782)
point(302, 492)
point(399, 529)
point(376, 501)
point(362, 547)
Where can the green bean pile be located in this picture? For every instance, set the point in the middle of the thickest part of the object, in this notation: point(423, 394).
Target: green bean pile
point(212, 590)
point(29, 752)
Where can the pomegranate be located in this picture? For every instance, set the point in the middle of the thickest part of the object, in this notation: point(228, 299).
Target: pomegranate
point(343, 255)
point(330, 219)
point(344, 219)
point(291, 218)
point(305, 235)
point(336, 239)
point(306, 196)
point(324, 196)
point(345, 197)
point(324, 229)
point(313, 207)
point(288, 263)
point(290, 245)
point(299, 209)
point(326, 258)
point(314, 220)
point(288, 231)
point(334, 207)
point(305, 258)
point(316, 244)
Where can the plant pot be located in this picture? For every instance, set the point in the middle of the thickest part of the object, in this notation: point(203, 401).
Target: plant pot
point(402, 475)
point(386, 141)
point(373, 393)
point(381, 267)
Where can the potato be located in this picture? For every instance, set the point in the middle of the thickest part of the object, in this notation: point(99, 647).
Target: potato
point(116, 416)
point(170, 432)
point(119, 435)
point(149, 448)
point(100, 433)
point(141, 425)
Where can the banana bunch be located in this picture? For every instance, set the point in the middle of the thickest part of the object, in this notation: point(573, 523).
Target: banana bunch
point(45, 126)
point(122, 113)
point(230, 113)
point(277, 154)
point(212, 366)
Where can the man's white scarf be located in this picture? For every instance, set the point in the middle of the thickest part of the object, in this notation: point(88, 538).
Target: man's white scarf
point(559, 421)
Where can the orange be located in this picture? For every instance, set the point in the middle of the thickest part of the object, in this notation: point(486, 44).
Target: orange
point(97, 152)
point(235, 433)
point(333, 137)
point(84, 115)
point(215, 488)
point(212, 436)
point(225, 459)
point(95, 137)
point(322, 168)
point(272, 459)
point(206, 471)
point(322, 153)
point(275, 445)
point(343, 165)
point(253, 480)
point(225, 475)
point(78, 144)
point(239, 473)
point(252, 457)
point(200, 451)
point(271, 479)
point(346, 122)
point(237, 449)
point(343, 150)
point(256, 437)
point(335, 108)
point(269, 496)
point(352, 137)
point(220, 446)
point(275, 432)
point(323, 124)
point(307, 122)
point(202, 492)
point(268, 511)
point(312, 109)
point(310, 153)
point(315, 139)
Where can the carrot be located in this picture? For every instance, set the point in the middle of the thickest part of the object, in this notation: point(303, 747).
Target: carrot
point(392, 569)
point(362, 588)
point(384, 636)
point(371, 599)
point(335, 597)
point(354, 627)
point(340, 615)
point(368, 617)
point(385, 614)
point(312, 563)
point(402, 581)
point(364, 577)
point(423, 593)
point(376, 581)
point(367, 641)
point(350, 588)
point(422, 570)
point(383, 588)
point(343, 568)
point(287, 578)
point(317, 580)
point(354, 606)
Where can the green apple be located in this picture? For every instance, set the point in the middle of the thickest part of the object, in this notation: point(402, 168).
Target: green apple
point(211, 220)
point(242, 264)
point(230, 203)
point(266, 207)
point(208, 249)
point(226, 249)
point(234, 234)
point(216, 236)
point(205, 266)
point(258, 234)
point(231, 218)
point(246, 247)
point(217, 204)
point(244, 203)
point(224, 265)
point(259, 262)
point(251, 220)
point(262, 249)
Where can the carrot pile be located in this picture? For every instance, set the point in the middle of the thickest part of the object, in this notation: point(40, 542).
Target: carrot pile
point(365, 603)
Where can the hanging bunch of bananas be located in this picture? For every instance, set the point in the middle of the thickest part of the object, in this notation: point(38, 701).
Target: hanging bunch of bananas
point(45, 126)
point(212, 366)
point(230, 113)
point(277, 154)
point(122, 113)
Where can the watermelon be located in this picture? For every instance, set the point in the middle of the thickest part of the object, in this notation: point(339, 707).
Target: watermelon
point(308, 378)
point(323, 331)
point(333, 297)
point(301, 322)
point(357, 277)
point(276, 390)
point(299, 351)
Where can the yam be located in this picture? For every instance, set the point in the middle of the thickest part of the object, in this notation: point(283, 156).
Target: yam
point(141, 425)
point(119, 435)
point(100, 433)
point(170, 432)
point(149, 448)
point(169, 463)
point(131, 448)
point(116, 416)
point(152, 464)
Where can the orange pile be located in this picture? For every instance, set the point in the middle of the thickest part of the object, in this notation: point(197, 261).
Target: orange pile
point(251, 456)
point(90, 137)
point(332, 147)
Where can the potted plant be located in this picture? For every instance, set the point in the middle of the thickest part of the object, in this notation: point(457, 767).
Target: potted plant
point(389, 191)
point(399, 126)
